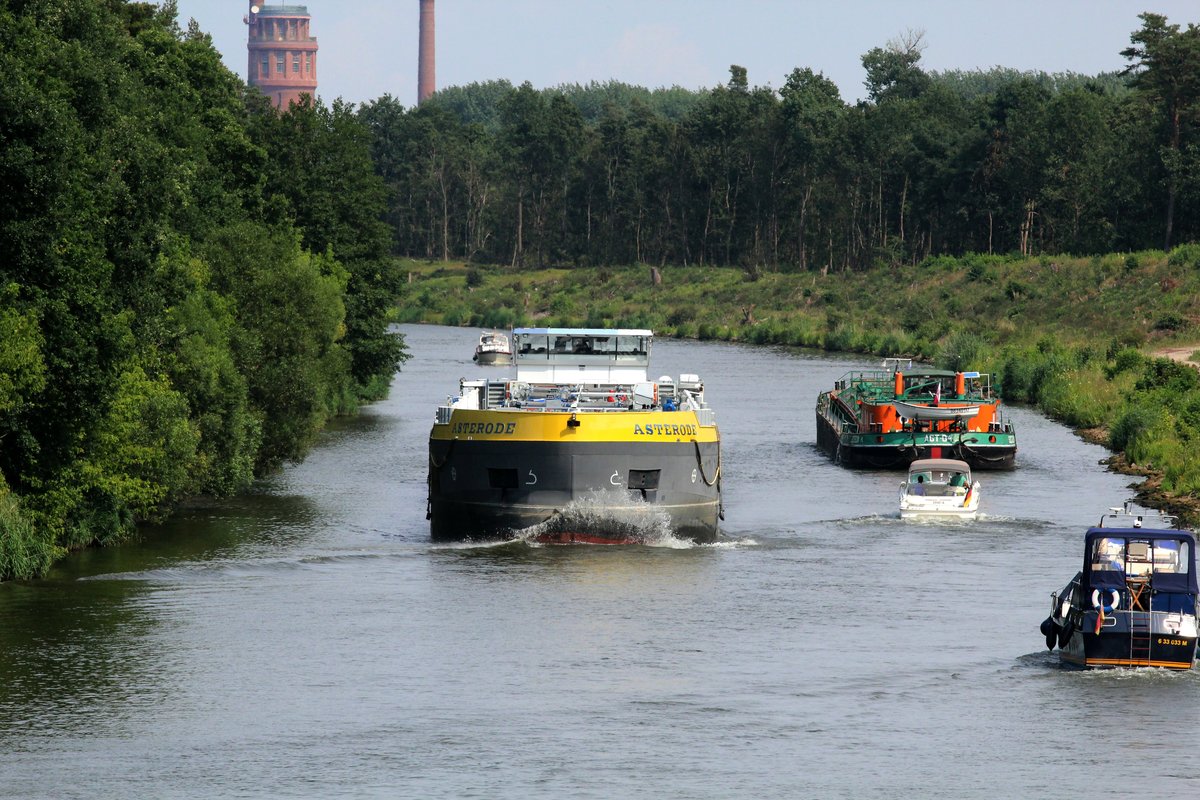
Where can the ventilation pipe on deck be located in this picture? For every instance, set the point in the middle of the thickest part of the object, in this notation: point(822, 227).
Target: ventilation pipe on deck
point(899, 383)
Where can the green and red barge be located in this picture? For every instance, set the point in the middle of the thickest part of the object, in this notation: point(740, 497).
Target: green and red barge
point(887, 418)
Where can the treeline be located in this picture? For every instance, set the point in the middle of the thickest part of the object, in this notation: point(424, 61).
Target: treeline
point(797, 179)
point(190, 283)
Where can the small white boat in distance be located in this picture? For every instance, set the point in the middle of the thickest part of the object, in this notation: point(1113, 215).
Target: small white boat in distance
point(939, 487)
point(493, 348)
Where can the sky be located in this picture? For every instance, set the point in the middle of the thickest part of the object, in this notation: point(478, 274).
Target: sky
point(368, 48)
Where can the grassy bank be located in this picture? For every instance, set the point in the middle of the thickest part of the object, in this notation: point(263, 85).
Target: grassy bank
point(1074, 337)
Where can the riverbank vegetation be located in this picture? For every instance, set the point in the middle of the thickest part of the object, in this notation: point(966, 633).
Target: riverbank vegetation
point(1074, 337)
point(191, 284)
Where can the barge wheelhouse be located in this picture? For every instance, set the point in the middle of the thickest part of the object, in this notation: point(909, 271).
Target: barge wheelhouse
point(579, 446)
point(887, 418)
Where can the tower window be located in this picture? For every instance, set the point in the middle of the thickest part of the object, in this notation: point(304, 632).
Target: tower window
point(308, 63)
point(295, 63)
point(266, 67)
point(279, 64)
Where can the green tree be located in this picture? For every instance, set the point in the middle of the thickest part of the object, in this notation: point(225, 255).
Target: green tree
point(814, 121)
point(539, 142)
point(290, 317)
point(1166, 70)
point(320, 168)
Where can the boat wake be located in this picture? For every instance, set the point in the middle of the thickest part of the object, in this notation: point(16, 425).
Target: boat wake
point(605, 517)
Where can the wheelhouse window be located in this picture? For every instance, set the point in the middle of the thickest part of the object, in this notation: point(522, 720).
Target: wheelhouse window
point(530, 344)
point(631, 347)
point(1140, 556)
point(604, 345)
point(581, 345)
point(1170, 556)
point(1108, 555)
point(591, 348)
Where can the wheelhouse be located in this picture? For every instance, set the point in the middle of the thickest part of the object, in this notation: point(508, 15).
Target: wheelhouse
point(582, 355)
point(1152, 570)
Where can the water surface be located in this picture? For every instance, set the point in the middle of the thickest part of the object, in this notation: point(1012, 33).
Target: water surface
point(309, 641)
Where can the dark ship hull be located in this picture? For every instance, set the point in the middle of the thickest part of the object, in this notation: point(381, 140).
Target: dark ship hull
point(604, 481)
point(896, 450)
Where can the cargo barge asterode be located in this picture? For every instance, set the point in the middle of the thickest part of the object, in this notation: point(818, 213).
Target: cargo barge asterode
point(581, 446)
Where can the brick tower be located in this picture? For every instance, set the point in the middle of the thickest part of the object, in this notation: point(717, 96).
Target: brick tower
point(426, 83)
point(283, 56)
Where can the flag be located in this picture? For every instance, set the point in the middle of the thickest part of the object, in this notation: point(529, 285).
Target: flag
point(967, 499)
point(1099, 618)
point(937, 394)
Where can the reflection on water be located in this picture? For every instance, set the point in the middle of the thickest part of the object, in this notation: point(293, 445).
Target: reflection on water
point(309, 640)
point(75, 658)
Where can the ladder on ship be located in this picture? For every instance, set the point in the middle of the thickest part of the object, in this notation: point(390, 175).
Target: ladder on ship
point(495, 394)
point(1139, 637)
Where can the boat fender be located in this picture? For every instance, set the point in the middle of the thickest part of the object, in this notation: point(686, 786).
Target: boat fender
point(1108, 608)
point(1048, 630)
point(1064, 636)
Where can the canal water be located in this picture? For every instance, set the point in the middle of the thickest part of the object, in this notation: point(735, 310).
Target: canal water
point(309, 641)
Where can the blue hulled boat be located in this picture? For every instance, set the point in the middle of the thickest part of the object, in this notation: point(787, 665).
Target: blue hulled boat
point(1134, 602)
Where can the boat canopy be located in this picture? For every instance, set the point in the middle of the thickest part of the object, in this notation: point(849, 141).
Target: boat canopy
point(940, 465)
point(1165, 557)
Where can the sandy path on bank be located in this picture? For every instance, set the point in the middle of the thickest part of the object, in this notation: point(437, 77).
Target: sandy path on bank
point(1181, 354)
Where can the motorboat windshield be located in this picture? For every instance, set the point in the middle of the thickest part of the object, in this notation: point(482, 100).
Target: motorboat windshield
point(928, 473)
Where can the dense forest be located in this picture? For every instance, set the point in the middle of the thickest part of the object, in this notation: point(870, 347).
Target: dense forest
point(797, 179)
point(191, 283)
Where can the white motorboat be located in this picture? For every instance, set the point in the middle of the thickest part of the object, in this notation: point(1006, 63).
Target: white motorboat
point(493, 348)
point(939, 487)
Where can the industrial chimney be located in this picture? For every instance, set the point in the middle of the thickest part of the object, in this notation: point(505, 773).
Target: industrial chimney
point(426, 83)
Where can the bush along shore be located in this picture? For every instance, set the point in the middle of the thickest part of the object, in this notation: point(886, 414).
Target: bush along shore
point(1077, 338)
